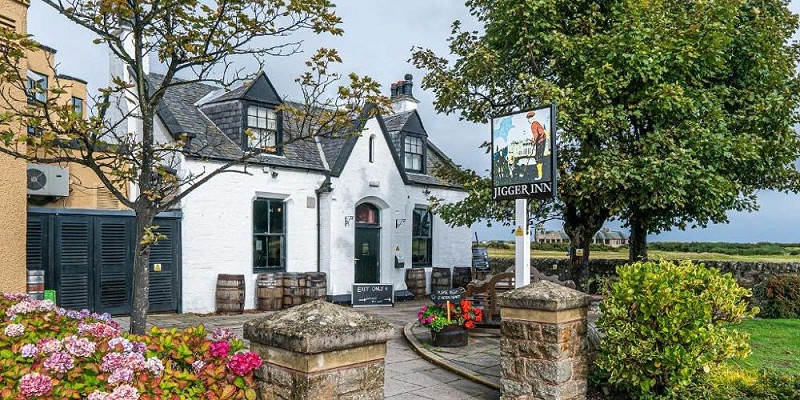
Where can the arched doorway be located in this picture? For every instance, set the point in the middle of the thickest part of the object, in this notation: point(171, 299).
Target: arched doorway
point(367, 244)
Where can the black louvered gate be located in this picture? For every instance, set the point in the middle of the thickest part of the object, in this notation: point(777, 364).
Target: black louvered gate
point(88, 259)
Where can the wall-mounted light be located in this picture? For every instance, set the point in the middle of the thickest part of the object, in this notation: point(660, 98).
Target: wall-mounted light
point(274, 173)
point(348, 219)
point(399, 222)
point(426, 192)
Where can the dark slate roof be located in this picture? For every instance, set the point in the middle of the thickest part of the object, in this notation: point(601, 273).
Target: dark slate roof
point(260, 90)
point(396, 122)
point(181, 116)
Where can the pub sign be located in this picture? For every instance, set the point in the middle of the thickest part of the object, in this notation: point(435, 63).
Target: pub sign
point(524, 154)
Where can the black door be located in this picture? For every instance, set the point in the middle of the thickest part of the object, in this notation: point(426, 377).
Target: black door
point(88, 260)
point(367, 254)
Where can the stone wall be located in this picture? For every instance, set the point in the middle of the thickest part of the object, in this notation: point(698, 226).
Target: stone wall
point(747, 273)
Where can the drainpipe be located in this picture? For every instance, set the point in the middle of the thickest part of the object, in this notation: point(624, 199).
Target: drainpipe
point(326, 187)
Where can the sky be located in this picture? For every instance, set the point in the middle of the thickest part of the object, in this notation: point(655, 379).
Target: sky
point(378, 38)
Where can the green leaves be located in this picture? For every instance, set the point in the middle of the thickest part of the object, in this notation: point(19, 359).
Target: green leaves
point(666, 324)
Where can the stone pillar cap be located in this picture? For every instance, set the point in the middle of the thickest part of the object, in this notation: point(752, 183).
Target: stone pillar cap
point(544, 295)
point(317, 327)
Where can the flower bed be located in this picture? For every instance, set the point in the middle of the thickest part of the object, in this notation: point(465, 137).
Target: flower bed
point(462, 313)
point(47, 352)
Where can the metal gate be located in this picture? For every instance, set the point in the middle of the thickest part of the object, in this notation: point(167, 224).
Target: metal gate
point(87, 257)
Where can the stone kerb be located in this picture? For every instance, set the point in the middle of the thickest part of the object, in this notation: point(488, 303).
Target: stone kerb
point(543, 348)
point(319, 351)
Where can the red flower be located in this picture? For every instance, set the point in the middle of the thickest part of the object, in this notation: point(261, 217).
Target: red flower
point(465, 305)
point(469, 324)
point(478, 318)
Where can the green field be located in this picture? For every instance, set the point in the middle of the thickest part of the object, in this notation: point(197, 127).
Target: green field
point(654, 254)
point(775, 344)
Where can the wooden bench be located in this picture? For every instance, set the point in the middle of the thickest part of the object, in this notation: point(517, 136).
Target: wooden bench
point(483, 293)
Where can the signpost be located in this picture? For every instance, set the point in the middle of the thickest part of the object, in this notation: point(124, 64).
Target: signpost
point(524, 168)
point(372, 295)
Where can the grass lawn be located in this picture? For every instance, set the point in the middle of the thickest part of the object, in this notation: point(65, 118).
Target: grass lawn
point(654, 254)
point(775, 344)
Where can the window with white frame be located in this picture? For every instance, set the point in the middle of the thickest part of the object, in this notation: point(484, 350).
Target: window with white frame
point(263, 123)
point(37, 87)
point(413, 149)
point(77, 105)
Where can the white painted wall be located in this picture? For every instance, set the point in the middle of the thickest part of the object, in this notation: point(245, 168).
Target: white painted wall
point(451, 247)
point(217, 223)
point(217, 235)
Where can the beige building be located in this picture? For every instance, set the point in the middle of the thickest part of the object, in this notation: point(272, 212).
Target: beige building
point(604, 236)
point(84, 189)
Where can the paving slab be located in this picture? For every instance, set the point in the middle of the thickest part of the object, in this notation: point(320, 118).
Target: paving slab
point(407, 376)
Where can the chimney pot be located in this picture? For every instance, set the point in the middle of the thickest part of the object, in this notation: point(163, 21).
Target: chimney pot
point(408, 77)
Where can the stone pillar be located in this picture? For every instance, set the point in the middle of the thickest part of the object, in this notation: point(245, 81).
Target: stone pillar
point(543, 349)
point(319, 350)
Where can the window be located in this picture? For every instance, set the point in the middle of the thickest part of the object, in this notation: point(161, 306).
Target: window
point(367, 214)
point(372, 149)
point(263, 123)
point(413, 153)
point(269, 235)
point(37, 87)
point(77, 105)
point(421, 238)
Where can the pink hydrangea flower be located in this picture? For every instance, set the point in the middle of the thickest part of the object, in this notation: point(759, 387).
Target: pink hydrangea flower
point(14, 330)
point(154, 365)
point(49, 345)
point(198, 365)
point(79, 347)
point(59, 362)
point(99, 330)
point(243, 363)
point(112, 361)
point(221, 335)
point(34, 385)
point(124, 392)
point(120, 375)
point(15, 296)
point(123, 343)
point(220, 349)
point(28, 350)
point(98, 395)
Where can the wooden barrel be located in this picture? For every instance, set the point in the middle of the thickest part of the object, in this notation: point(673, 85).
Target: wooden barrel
point(316, 286)
point(461, 276)
point(269, 292)
point(294, 288)
point(35, 286)
point(230, 294)
point(440, 278)
point(415, 282)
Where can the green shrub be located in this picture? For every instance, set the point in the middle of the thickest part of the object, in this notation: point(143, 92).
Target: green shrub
point(736, 384)
point(779, 296)
point(666, 324)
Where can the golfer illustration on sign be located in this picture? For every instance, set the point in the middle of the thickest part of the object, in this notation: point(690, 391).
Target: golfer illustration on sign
point(539, 142)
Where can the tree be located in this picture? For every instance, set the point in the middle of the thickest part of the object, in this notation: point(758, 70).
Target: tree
point(194, 42)
point(666, 108)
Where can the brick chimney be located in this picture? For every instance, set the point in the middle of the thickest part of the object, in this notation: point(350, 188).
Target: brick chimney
point(402, 98)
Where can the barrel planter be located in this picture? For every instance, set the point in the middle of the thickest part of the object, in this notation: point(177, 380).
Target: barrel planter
point(269, 292)
point(230, 294)
point(461, 276)
point(440, 278)
point(415, 282)
point(316, 286)
point(294, 289)
point(450, 336)
point(35, 284)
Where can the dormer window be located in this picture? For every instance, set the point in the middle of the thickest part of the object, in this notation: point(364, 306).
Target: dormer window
point(414, 153)
point(263, 123)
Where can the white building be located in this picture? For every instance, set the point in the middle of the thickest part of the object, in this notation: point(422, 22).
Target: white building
point(354, 208)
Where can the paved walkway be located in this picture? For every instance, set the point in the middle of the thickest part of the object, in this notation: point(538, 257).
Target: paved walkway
point(408, 376)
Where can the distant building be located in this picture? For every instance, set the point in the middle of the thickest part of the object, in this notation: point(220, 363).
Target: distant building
point(604, 236)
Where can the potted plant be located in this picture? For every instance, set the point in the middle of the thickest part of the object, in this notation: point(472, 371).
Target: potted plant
point(449, 322)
